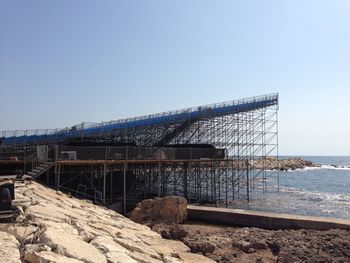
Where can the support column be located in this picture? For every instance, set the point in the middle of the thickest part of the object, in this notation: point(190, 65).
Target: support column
point(159, 179)
point(55, 178)
point(47, 177)
point(247, 169)
point(58, 177)
point(185, 182)
point(104, 182)
point(124, 186)
point(111, 186)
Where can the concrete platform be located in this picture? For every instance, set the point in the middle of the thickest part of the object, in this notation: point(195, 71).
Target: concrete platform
point(266, 220)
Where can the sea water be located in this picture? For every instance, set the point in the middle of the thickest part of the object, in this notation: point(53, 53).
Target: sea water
point(317, 191)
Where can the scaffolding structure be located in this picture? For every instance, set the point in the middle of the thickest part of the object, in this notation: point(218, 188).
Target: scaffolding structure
point(245, 130)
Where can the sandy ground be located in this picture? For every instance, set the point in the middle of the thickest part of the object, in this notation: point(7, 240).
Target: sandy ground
point(229, 244)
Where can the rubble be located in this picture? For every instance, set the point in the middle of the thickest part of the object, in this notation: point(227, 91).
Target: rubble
point(248, 244)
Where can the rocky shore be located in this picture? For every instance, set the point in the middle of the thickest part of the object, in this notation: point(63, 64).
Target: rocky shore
point(56, 228)
point(252, 245)
point(226, 244)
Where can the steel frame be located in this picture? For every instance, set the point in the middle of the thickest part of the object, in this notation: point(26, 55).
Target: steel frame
point(248, 137)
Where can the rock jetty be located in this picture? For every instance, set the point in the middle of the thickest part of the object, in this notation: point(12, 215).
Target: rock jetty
point(56, 228)
point(272, 163)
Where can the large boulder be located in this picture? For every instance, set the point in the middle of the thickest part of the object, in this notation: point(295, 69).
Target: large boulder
point(168, 210)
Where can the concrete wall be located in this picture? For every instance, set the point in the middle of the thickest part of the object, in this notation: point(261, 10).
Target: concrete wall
point(243, 218)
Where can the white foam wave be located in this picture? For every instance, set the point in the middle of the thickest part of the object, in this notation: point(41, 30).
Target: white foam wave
point(323, 166)
point(335, 167)
point(315, 196)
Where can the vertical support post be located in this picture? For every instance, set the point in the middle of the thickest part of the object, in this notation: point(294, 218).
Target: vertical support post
point(233, 179)
point(104, 182)
point(206, 181)
point(215, 189)
point(247, 170)
point(195, 182)
point(24, 164)
point(124, 186)
point(278, 163)
point(185, 181)
point(47, 178)
point(56, 169)
point(226, 183)
point(55, 152)
point(174, 178)
point(58, 177)
point(159, 179)
point(111, 186)
point(145, 177)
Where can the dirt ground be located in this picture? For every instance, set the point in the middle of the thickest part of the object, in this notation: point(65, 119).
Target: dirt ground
point(229, 244)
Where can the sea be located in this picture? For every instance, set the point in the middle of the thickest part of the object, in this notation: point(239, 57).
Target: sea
point(316, 191)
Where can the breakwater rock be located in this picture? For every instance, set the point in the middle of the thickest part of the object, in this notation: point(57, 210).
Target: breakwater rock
point(55, 228)
point(169, 210)
point(272, 163)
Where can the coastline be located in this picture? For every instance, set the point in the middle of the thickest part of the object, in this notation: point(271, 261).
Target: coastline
point(317, 240)
point(51, 218)
point(225, 244)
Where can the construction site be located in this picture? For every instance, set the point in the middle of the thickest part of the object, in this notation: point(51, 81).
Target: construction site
point(208, 154)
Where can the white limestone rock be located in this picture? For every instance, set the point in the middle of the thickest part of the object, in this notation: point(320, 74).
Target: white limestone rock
point(57, 228)
point(70, 246)
point(9, 248)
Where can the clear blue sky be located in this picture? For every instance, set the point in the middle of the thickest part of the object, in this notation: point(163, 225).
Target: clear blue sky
point(64, 62)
